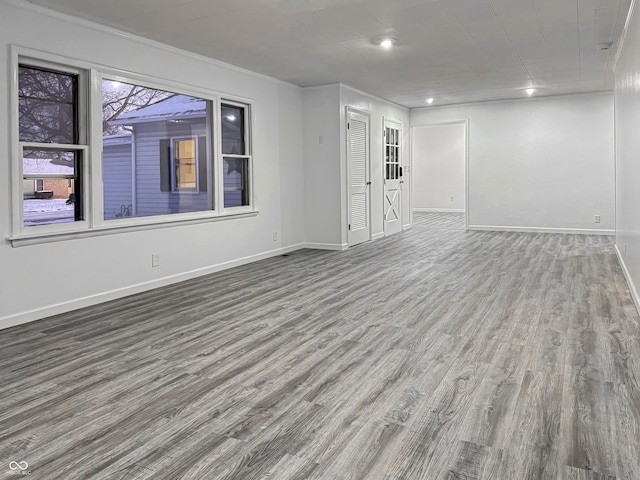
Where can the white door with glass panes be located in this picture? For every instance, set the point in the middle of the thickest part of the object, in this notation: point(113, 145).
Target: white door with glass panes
point(392, 177)
point(359, 228)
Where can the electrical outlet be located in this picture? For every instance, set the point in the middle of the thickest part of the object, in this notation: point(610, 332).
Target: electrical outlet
point(275, 236)
point(155, 260)
point(451, 198)
point(597, 219)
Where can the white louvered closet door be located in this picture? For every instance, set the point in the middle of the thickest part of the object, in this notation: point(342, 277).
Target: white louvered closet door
point(358, 172)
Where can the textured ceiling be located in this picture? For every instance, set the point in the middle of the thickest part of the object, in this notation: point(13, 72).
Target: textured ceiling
point(453, 50)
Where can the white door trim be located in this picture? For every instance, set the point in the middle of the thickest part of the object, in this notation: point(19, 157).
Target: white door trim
point(364, 234)
point(464, 122)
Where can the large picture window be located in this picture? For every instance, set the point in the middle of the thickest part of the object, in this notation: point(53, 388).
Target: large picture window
point(52, 148)
point(155, 153)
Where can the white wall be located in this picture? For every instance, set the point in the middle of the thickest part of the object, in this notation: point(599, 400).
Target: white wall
point(537, 163)
point(55, 277)
point(322, 201)
point(627, 107)
point(439, 157)
point(325, 159)
point(291, 155)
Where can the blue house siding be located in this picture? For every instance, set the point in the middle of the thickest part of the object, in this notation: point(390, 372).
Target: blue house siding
point(150, 199)
point(117, 174)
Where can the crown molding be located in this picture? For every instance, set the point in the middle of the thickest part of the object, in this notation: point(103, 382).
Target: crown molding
point(93, 25)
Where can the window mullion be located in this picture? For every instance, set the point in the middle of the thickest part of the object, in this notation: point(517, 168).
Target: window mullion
point(54, 146)
point(218, 161)
point(93, 170)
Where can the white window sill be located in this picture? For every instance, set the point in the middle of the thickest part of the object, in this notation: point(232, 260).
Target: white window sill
point(145, 223)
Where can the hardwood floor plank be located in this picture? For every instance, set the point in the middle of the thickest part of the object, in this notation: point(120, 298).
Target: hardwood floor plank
point(473, 462)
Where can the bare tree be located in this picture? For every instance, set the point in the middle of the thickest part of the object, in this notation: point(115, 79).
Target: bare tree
point(48, 104)
point(123, 97)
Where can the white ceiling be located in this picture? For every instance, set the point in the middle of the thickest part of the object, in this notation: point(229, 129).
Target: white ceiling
point(453, 50)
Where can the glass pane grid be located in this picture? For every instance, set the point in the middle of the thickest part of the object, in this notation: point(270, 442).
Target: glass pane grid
point(392, 154)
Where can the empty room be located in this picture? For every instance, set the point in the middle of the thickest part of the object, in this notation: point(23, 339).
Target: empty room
point(320, 239)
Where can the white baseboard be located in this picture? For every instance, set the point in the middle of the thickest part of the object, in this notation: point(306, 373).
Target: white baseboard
point(377, 236)
point(438, 210)
point(64, 307)
point(575, 231)
point(326, 246)
point(627, 276)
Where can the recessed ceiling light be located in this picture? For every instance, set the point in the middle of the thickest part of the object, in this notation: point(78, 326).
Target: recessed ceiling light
point(429, 101)
point(387, 42)
point(530, 91)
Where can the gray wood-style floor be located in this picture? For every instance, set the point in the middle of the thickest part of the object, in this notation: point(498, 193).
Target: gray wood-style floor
point(433, 354)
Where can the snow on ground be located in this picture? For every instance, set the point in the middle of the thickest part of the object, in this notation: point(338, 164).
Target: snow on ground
point(49, 205)
point(47, 211)
point(45, 165)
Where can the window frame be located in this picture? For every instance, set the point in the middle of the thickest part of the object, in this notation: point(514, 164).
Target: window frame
point(174, 178)
point(110, 74)
point(50, 63)
point(89, 111)
point(248, 154)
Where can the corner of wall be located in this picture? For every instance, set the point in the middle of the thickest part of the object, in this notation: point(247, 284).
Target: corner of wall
point(627, 275)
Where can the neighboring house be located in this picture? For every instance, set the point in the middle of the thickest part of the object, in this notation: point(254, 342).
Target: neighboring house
point(161, 166)
point(45, 186)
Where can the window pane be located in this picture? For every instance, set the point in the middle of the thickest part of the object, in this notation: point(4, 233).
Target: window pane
point(49, 162)
point(56, 197)
point(56, 202)
point(233, 130)
point(47, 110)
point(236, 181)
point(155, 152)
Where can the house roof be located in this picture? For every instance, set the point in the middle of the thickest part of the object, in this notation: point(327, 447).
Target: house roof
point(177, 107)
point(119, 139)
